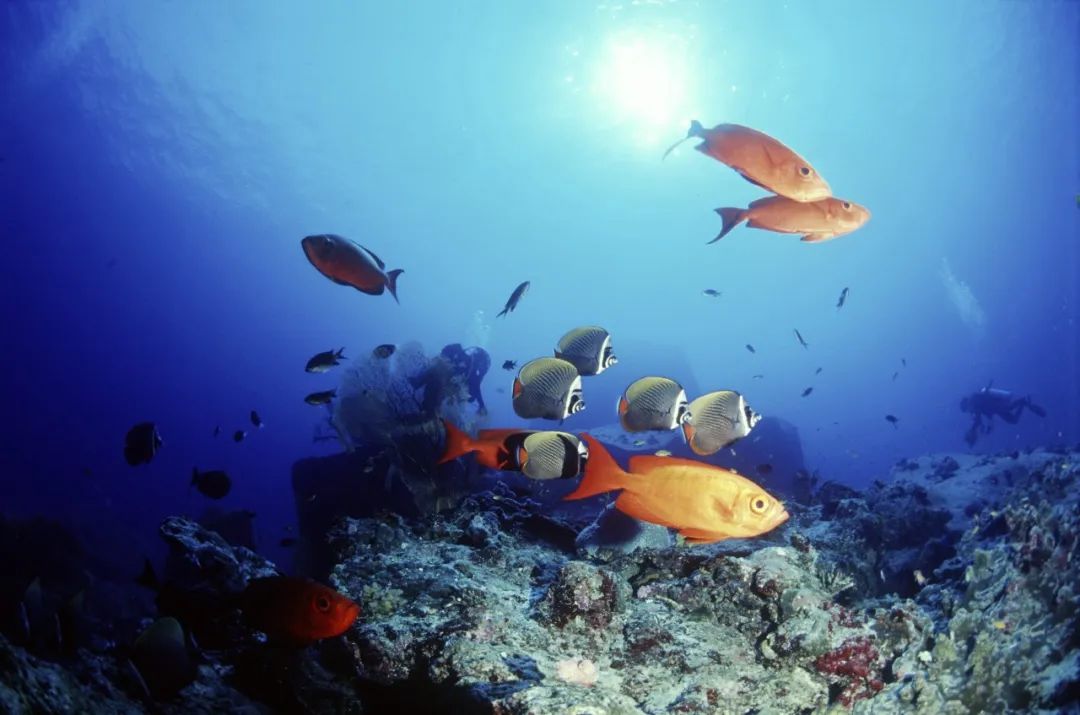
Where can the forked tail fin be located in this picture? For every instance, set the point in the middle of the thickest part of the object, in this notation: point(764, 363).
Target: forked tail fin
point(602, 472)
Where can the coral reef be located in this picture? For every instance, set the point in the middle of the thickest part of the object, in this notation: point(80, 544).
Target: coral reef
point(904, 598)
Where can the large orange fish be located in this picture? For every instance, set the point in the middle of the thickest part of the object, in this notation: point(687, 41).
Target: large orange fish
point(296, 611)
point(705, 503)
point(348, 263)
point(817, 221)
point(759, 159)
point(494, 448)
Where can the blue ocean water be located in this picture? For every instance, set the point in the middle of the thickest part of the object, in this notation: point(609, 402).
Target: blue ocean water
point(161, 162)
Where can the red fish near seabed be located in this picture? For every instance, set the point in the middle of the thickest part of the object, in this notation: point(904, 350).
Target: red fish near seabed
point(296, 611)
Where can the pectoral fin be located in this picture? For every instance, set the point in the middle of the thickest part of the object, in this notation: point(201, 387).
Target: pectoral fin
point(633, 505)
point(819, 237)
point(702, 536)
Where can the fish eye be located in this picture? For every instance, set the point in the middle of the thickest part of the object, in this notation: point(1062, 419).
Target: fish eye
point(804, 170)
point(322, 603)
point(758, 505)
point(846, 205)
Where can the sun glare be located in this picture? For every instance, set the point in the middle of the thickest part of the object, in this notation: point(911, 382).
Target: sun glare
point(641, 82)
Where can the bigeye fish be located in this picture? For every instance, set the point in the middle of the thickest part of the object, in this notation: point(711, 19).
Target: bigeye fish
point(348, 263)
point(548, 388)
point(705, 503)
point(653, 403)
point(588, 349)
point(512, 302)
point(141, 443)
point(325, 360)
point(817, 221)
point(717, 420)
point(321, 398)
point(759, 159)
point(551, 455)
point(296, 611)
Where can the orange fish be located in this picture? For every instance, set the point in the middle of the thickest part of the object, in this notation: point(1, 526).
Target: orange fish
point(348, 263)
point(297, 611)
point(759, 159)
point(493, 447)
point(817, 221)
point(705, 503)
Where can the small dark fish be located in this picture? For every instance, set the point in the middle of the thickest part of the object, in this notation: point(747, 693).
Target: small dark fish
point(256, 420)
point(807, 391)
point(759, 376)
point(843, 297)
point(141, 443)
point(238, 435)
point(217, 430)
point(894, 376)
point(712, 292)
point(321, 362)
point(321, 398)
point(764, 469)
point(800, 337)
point(750, 348)
point(214, 484)
point(384, 351)
point(818, 371)
point(512, 303)
point(903, 361)
point(893, 419)
point(509, 365)
point(288, 542)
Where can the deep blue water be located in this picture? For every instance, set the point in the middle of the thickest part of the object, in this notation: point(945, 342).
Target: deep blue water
point(161, 161)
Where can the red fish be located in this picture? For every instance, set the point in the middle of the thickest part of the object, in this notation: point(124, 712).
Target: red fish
point(492, 447)
point(348, 263)
point(297, 611)
point(817, 221)
point(759, 159)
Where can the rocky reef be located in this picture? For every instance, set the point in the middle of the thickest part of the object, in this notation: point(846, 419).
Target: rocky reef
point(948, 587)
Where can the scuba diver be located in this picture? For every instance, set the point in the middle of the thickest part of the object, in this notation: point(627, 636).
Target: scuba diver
point(472, 364)
point(991, 402)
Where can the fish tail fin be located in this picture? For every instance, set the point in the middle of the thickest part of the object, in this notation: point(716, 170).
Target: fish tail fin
point(148, 578)
point(695, 130)
point(391, 283)
point(457, 443)
point(340, 354)
point(502, 312)
point(731, 217)
point(602, 472)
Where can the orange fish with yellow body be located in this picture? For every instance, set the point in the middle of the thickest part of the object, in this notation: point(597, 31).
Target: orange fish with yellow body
point(704, 503)
point(760, 159)
point(817, 220)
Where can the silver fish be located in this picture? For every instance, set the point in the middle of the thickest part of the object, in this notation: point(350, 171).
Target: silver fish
point(588, 348)
point(653, 403)
point(547, 388)
point(718, 419)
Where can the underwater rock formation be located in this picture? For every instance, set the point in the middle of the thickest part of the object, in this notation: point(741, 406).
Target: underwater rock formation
point(951, 587)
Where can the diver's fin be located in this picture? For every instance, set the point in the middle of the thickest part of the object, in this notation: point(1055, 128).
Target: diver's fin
point(1035, 408)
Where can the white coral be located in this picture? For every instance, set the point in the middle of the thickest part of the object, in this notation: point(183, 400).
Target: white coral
point(580, 671)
